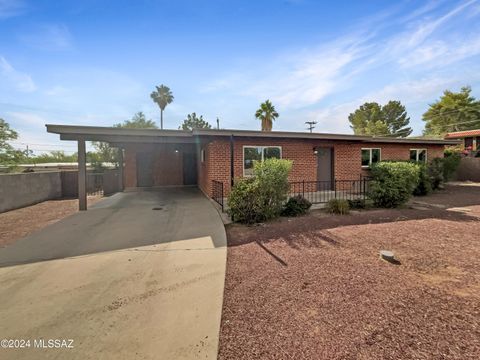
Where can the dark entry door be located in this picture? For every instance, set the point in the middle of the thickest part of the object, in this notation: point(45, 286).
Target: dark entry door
point(144, 169)
point(189, 168)
point(324, 169)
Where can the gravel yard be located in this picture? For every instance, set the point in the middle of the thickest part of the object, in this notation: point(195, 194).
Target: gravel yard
point(314, 287)
point(15, 224)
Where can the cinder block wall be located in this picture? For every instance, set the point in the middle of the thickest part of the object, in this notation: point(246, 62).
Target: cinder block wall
point(347, 158)
point(19, 190)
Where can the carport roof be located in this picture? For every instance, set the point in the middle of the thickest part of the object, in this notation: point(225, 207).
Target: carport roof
point(115, 134)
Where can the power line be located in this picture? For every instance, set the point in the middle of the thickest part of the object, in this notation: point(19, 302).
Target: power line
point(44, 144)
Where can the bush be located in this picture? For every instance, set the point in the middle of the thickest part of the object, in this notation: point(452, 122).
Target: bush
point(450, 164)
point(424, 186)
point(393, 183)
point(338, 206)
point(296, 205)
point(435, 172)
point(357, 204)
point(261, 197)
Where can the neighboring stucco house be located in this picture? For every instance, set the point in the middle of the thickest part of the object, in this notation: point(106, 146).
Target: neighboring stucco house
point(174, 157)
point(470, 139)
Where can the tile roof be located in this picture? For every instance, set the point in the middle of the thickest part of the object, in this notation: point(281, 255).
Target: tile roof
point(462, 134)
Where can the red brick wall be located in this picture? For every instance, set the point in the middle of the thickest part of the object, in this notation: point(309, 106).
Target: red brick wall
point(347, 158)
point(168, 165)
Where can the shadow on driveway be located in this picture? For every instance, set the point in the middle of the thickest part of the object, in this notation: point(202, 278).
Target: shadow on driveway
point(124, 220)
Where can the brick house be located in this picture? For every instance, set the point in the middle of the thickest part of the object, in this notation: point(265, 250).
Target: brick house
point(470, 139)
point(154, 157)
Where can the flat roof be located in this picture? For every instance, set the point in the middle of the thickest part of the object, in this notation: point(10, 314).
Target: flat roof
point(116, 134)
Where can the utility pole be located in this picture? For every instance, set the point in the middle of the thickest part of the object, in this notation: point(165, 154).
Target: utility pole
point(310, 125)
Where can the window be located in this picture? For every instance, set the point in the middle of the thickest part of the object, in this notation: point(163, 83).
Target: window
point(258, 153)
point(370, 156)
point(418, 155)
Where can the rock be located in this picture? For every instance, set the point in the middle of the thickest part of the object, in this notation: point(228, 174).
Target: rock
point(387, 255)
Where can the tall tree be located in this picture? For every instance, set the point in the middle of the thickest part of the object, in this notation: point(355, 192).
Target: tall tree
point(8, 155)
point(396, 118)
point(138, 121)
point(105, 153)
point(162, 97)
point(194, 122)
point(267, 115)
point(374, 119)
point(455, 111)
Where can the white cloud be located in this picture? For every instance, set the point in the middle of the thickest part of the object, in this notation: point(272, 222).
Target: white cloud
point(25, 119)
point(48, 37)
point(10, 8)
point(19, 80)
point(411, 58)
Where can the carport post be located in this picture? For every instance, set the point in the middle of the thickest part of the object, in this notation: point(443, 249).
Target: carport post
point(120, 168)
point(82, 176)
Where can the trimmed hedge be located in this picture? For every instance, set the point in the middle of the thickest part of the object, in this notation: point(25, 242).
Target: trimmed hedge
point(424, 186)
point(393, 183)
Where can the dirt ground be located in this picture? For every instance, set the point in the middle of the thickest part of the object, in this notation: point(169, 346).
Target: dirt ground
point(314, 287)
point(19, 223)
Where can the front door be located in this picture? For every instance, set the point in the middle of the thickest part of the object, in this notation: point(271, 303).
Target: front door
point(324, 169)
point(189, 168)
point(144, 169)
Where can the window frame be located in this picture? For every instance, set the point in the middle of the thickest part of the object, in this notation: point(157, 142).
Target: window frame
point(258, 146)
point(417, 150)
point(370, 160)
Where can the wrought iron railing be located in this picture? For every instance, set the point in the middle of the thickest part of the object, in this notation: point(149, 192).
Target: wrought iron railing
point(217, 192)
point(319, 192)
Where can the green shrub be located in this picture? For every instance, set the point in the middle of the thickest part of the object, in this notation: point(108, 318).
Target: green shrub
point(261, 197)
point(450, 164)
point(357, 204)
point(338, 206)
point(424, 186)
point(296, 205)
point(393, 183)
point(242, 202)
point(435, 172)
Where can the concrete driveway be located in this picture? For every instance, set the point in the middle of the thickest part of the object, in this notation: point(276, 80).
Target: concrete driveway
point(123, 281)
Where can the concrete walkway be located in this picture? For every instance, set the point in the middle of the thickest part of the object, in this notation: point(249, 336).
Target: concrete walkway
point(143, 283)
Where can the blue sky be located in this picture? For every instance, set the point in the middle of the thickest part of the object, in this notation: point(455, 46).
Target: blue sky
point(96, 62)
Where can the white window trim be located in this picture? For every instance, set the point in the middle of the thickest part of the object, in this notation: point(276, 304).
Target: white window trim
point(370, 160)
point(257, 146)
point(418, 151)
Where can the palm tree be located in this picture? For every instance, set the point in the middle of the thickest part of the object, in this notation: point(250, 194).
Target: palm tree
point(267, 115)
point(162, 97)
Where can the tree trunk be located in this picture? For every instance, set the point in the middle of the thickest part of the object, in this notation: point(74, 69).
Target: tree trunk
point(161, 119)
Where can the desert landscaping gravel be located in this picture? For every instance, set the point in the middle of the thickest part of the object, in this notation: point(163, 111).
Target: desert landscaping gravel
point(314, 287)
point(15, 224)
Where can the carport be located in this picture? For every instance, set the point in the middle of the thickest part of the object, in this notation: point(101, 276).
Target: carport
point(152, 157)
